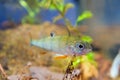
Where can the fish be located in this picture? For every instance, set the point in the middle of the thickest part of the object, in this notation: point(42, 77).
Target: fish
point(63, 45)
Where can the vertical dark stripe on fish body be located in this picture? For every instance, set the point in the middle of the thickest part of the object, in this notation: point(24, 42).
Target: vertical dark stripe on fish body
point(67, 40)
point(67, 43)
point(59, 40)
point(61, 43)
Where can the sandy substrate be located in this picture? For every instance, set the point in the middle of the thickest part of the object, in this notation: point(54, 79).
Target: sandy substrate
point(38, 73)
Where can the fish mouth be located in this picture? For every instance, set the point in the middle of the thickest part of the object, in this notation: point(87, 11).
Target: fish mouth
point(86, 51)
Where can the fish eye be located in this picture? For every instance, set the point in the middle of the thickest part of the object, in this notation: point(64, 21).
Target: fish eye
point(80, 46)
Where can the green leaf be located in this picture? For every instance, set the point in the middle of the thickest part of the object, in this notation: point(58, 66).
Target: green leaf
point(84, 15)
point(87, 39)
point(26, 6)
point(56, 18)
point(23, 3)
point(44, 4)
point(76, 61)
point(67, 7)
point(60, 7)
point(47, 4)
point(90, 55)
point(28, 19)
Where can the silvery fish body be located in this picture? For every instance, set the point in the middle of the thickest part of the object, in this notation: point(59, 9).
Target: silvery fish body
point(65, 45)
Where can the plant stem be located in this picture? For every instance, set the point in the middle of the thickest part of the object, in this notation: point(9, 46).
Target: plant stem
point(67, 22)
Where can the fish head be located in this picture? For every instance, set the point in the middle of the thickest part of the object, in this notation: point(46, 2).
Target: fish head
point(80, 48)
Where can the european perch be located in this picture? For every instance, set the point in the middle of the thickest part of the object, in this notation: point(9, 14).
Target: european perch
point(63, 45)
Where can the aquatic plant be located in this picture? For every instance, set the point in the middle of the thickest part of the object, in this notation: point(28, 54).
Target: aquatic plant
point(76, 60)
point(62, 9)
point(32, 8)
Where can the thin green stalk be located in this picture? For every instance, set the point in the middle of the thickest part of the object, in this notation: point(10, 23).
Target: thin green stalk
point(67, 22)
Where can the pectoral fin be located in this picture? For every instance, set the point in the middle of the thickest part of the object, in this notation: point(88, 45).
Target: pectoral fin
point(59, 56)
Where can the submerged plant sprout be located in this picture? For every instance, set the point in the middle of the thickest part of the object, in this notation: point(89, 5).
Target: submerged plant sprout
point(67, 45)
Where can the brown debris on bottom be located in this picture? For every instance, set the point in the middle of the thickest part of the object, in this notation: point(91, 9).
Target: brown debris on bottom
point(3, 72)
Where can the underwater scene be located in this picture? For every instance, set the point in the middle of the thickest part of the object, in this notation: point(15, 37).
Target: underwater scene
point(59, 40)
